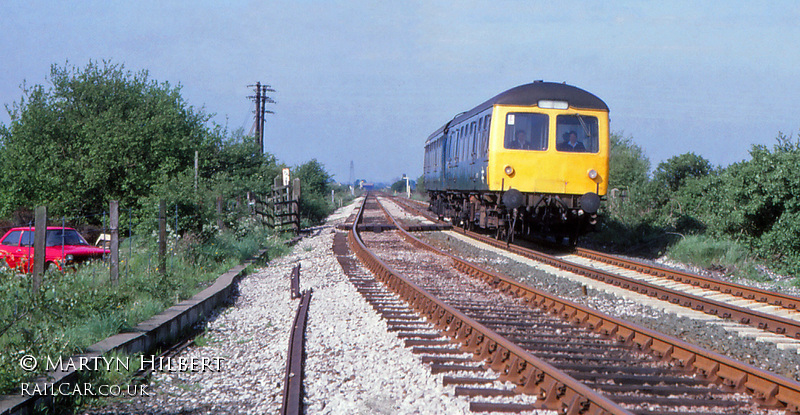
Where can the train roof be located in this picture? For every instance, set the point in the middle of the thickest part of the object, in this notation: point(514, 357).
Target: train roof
point(531, 94)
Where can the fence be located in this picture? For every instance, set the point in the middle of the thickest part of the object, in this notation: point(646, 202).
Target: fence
point(280, 209)
point(110, 235)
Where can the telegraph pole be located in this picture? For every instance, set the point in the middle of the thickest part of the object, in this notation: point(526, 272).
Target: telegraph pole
point(262, 99)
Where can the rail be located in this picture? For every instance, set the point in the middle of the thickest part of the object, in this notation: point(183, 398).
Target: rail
point(293, 381)
point(533, 376)
point(767, 388)
point(738, 290)
point(763, 321)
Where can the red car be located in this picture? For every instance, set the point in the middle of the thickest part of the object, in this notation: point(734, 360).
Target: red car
point(63, 246)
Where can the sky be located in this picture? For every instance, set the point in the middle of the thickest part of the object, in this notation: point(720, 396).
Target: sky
point(368, 81)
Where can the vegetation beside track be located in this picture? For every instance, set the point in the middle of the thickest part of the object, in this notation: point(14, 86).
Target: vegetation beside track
point(104, 133)
point(75, 309)
point(737, 219)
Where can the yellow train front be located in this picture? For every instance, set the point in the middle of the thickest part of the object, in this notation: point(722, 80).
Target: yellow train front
point(531, 160)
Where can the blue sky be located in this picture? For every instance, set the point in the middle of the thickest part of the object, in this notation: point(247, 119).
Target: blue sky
point(368, 81)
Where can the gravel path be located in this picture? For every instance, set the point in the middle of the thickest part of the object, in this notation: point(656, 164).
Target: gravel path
point(353, 364)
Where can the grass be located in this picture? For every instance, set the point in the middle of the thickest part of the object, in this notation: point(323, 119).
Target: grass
point(75, 309)
point(722, 255)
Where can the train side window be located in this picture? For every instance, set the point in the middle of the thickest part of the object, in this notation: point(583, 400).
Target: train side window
point(577, 133)
point(485, 138)
point(479, 134)
point(461, 142)
point(473, 139)
point(465, 144)
point(526, 131)
point(450, 144)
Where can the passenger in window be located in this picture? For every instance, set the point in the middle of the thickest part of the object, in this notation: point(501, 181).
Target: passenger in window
point(520, 141)
point(571, 143)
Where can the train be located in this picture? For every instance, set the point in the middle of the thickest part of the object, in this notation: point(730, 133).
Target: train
point(532, 160)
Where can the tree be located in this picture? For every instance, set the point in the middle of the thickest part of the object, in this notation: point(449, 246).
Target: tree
point(96, 134)
point(315, 190)
point(674, 172)
point(628, 165)
point(399, 186)
point(421, 185)
point(313, 177)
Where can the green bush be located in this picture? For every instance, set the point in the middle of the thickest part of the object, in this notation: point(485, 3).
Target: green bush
point(314, 208)
point(781, 244)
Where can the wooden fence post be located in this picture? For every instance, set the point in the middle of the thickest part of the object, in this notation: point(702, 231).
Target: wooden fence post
point(162, 237)
point(39, 234)
point(295, 198)
point(113, 218)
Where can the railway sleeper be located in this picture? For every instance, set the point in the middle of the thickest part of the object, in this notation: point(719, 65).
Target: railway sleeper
point(405, 334)
point(446, 359)
point(502, 407)
point(467, 391)
point(557, 394)
point(452, 367)
point(427, 342)
point(684, 402)
point(660, 390)
point(456, 380)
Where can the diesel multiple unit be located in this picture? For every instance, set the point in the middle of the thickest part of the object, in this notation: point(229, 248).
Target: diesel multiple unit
point(533, 159)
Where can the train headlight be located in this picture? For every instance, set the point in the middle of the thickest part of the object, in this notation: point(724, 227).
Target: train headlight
point(509, 170)
point(558, 105)
point(592, 174)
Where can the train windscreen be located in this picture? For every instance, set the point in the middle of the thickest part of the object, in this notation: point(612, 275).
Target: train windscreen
point(577, 133)
point(526, 131)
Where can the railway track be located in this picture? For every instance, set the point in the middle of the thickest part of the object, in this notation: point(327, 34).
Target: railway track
point(573, 359)
point(770, 312)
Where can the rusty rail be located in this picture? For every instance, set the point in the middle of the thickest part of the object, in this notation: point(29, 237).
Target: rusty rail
point(534, 376)
point(767, 322)
point(763, 321)
point(295, 281)
point(293, 381)
point(767, 388)
point(738, 290)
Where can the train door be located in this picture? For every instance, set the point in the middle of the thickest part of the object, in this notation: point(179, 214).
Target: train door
point(449, 143)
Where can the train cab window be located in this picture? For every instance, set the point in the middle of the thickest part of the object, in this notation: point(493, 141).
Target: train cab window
point(577, 133)
point(526, 131)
